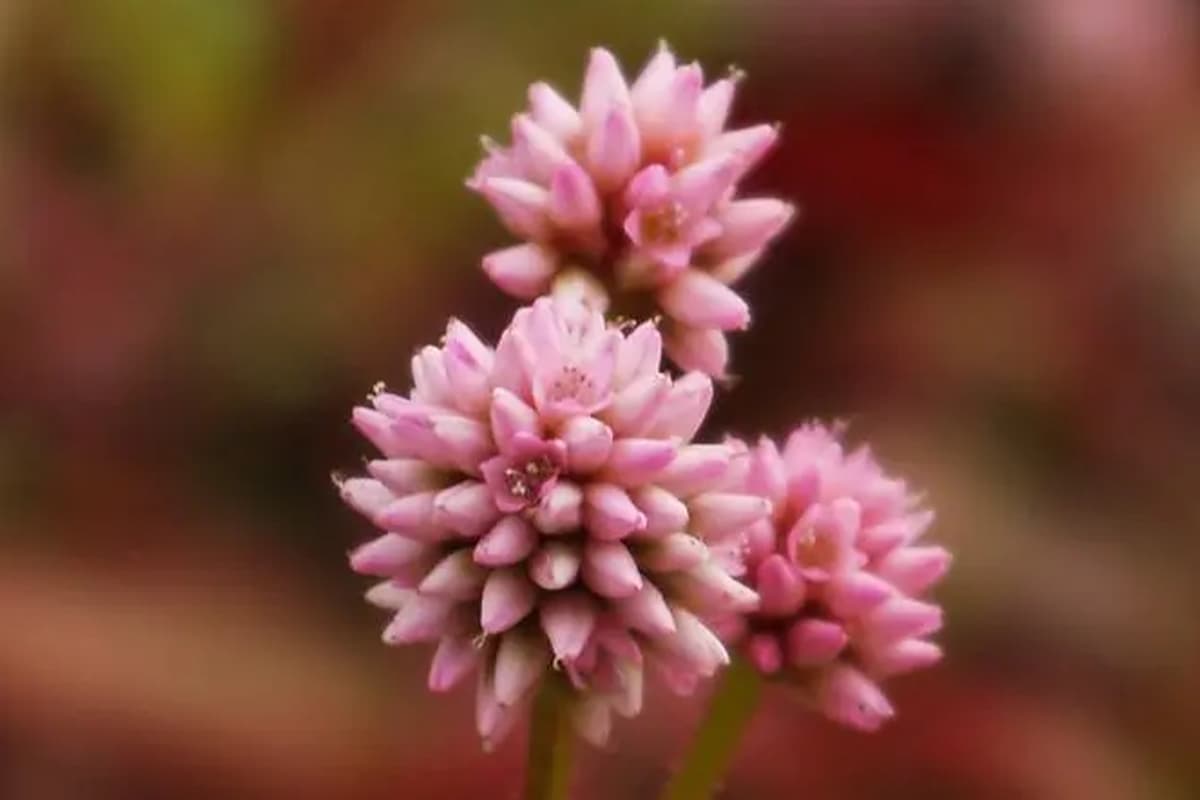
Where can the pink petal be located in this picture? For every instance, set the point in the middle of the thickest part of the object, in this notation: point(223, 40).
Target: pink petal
point(683, 409)
point(377, 429)
point(702, 349)
point(711, 588)
point(649, 92)
point(510, 415)
point(604, 88)
point(713, 106)
point(574, 202)
point(814, 641)
point(366, 496)
point(613, 149)
point(682, 102)
point(560, 510)
point(389, 595)
point(412, 516)
point(455, 577)
point(901, 617)
point(849, 697)
point(767, 476)
point(466, 508)
point(749, 225)
point(903, 656)
point(420, 619)
point(390, 553)
point(851, 593)
point(780, 587)
point(639, 404)
point(718, 514)
point(540, 152)
point(647, 189)
point(568, 619)
point(673, 552)
point(524, 270)
point(765, 653)
point(609, 569)
point(665, 513)
point(635, 461)
point(695, 644)
point(914, 569)
point(640, 355)
point(430, 384)
point(555, 566)
point(523, 207)
point(467, 442)
point(454, 658)
point(509, 541)
point(749, 145)
point(700, 185)
point(553, 113)
point(589, 443)
point(508, 596)
point(521, 659)
point(701, 301)
point(404, 475)
point(609, 513)
point(696, 468)
point(731, 270)
point(646, 610)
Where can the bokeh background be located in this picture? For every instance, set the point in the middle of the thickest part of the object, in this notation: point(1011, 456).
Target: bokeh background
point(221, 221)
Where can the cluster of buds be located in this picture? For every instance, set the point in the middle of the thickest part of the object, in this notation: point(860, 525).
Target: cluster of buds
point(543, 506)
point(544, 510)
point(637, 189)
point(839, 573)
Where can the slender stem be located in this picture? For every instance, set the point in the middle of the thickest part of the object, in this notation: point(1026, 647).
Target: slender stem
point(551, 744)
point(729, 710)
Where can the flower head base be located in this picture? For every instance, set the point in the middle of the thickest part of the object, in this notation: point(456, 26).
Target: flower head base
point(638, 185)
point(839, 573)
point(543, 508)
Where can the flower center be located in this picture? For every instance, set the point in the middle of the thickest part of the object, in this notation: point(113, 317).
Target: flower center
point(525, 482)
point(570, 383)
point(816, 550)
point(664, 223)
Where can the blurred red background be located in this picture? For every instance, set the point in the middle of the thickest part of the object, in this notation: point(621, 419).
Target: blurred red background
point(221, 221)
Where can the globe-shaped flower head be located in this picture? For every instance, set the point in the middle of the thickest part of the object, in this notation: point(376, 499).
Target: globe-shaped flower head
point(839, 571)
point(637, 187)
point(544, 509)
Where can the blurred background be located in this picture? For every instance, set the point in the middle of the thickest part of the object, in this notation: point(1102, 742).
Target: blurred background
point(221, 221)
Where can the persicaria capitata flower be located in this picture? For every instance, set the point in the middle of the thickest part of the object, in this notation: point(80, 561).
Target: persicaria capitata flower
point(841, 574)
point(544, 508)
point(636, 186)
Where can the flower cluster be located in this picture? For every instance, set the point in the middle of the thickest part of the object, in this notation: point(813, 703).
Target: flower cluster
point(637, 187)
point(839, 573)
point(543, 505)
point(545, 512)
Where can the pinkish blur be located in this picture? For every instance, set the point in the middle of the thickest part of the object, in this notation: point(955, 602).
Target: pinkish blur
point(221, 221)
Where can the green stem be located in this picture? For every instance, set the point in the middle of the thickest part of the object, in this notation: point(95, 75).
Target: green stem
point(551, 743)
point(729, 710)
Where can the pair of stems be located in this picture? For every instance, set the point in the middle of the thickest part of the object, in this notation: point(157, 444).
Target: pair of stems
point(551, 739)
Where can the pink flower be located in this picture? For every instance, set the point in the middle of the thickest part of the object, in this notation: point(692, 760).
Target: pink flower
point(840, 574)
point(543, 508)
point(638, 184)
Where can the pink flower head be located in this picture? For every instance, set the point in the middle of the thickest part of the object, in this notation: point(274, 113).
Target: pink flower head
point(839, 571)
point(637, 183)
point(543, 508)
